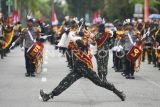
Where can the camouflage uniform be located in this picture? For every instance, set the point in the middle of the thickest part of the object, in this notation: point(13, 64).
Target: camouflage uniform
point(102, 58)
point(102, 52)
point(80, 70)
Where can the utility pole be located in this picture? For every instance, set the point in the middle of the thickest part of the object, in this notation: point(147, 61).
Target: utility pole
point(146, 10)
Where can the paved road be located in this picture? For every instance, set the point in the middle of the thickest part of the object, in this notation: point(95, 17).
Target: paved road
point(16, 90)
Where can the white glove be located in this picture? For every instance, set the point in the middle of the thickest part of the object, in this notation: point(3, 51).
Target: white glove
point(13, 44)
point(111, 32)
point(119, 48)
point(115, 48)
point(93, 49)
point(34, 40)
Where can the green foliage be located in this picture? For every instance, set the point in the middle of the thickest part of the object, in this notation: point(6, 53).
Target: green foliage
point(40, 6)
point(110, 9)
point(151, 2)
point(80, 7)
point(118, 9)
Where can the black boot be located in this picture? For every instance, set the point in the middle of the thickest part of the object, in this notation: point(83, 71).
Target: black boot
point(1, 56)
point(45, 97)
point(120, 94)
point(27, 74)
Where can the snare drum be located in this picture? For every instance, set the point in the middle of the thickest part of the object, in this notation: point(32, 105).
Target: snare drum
point(135, 52)
point(35, 51)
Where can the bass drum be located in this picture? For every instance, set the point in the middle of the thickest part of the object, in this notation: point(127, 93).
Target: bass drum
point(35, 52)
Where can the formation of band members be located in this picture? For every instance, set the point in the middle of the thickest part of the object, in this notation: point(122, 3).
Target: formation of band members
point(131, 43)
point(98, 38)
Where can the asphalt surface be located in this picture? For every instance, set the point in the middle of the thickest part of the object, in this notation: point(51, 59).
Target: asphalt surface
point(16, 90)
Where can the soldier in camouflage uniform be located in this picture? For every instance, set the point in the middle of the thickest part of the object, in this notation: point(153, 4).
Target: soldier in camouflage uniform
point(102, 54)
point(1, 36)
point(148, 43)
point(81, 70)
point(118, 53)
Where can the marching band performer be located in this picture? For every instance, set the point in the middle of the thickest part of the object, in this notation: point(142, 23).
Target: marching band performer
point(148, 42)
point(17, 29)
point(118, 50)
point(2, 42)
point(64, 41)
point(7, 34)
point(130, 39)
point(28, 34)
point(63, 44)
point(102, 55)
point(157, 52)
point(83, 68)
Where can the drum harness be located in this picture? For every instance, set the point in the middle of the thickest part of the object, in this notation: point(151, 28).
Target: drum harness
point(31, 37)
point(137, 68)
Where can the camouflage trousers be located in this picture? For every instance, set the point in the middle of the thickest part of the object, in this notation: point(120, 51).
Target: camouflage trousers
point(81, 70)
point(102, 64)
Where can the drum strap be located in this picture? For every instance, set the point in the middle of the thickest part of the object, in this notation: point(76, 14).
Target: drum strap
point(130, 39)
point(1, 31)
point(30, 35)
point(146, 33)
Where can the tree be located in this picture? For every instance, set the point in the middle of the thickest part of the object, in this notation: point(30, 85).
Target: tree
point(117, 9)
point(37, 8)
point(154, 5)
point(80, 7)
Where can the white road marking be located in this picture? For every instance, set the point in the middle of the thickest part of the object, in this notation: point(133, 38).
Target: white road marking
point(46, 58)
point(45, 62)
point(44, 70)
point(40, 98)
point(152, 82)
point(44, 79)
point(46, 53)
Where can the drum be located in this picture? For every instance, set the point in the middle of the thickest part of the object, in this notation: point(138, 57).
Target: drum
point(135, 52)
point(35, 51)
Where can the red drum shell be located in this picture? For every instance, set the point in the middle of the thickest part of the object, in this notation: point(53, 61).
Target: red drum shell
point(35, 51)
point(134, 53)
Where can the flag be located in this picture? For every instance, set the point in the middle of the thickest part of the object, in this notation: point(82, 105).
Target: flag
point(54, 19)
point(15, 16)
point(97, 17)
